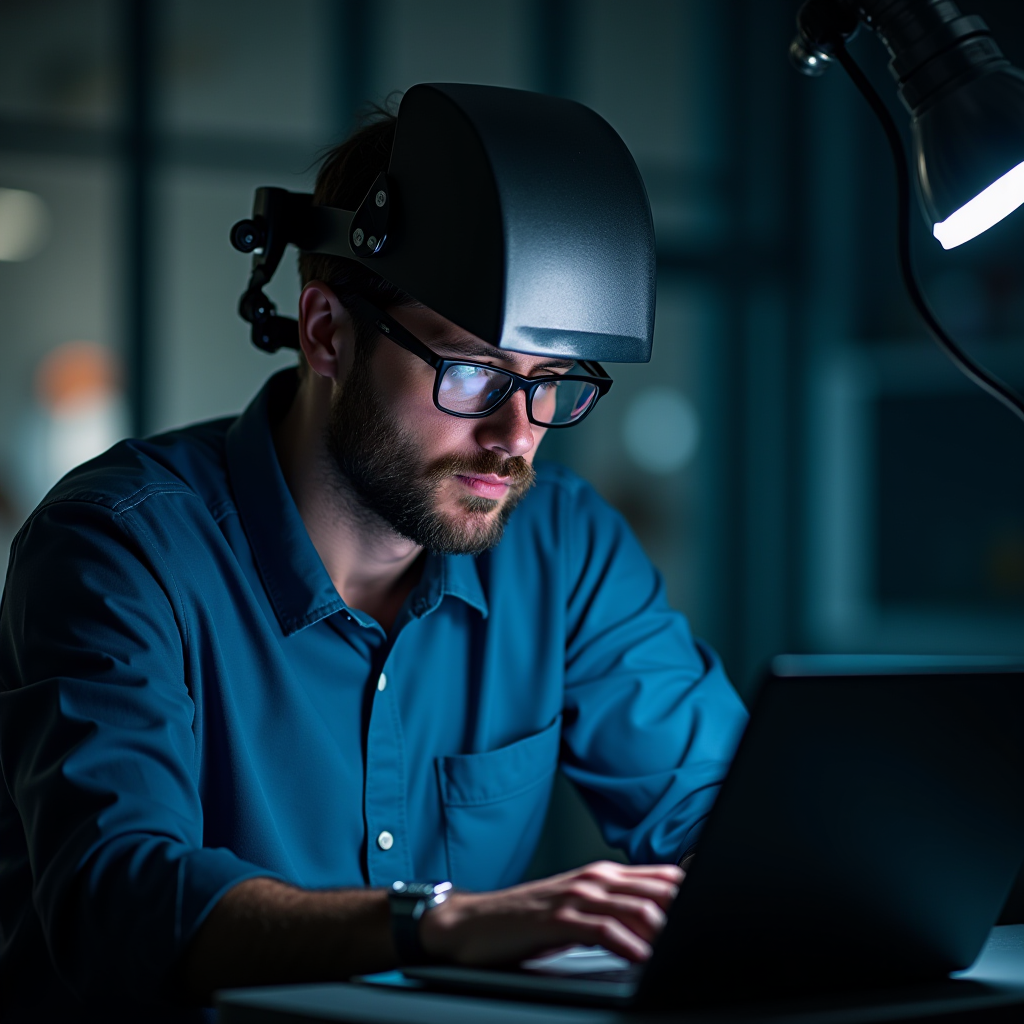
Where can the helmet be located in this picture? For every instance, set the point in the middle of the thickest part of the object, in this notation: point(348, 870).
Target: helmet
point(520, 217)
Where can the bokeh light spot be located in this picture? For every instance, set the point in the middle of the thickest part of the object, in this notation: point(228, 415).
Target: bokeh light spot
point(24, 224)
point(661, 430)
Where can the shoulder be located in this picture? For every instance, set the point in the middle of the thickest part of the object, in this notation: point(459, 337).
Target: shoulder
point(139, 494)
point(558, 487)
point(563, 511)
point(190, 461)
point(577, 557)
point(133, 514)
point(568, 504)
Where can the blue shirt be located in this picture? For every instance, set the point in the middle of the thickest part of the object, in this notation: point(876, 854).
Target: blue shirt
point(186, 702)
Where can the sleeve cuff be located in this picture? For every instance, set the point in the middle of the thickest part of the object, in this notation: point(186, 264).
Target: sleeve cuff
point(203, 877)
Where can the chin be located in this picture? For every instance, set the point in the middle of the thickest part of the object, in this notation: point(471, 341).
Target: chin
point(473, 524)
point(470, 530)
point(477, 507)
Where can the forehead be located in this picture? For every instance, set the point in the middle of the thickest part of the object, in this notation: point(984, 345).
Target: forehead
point(449, 340)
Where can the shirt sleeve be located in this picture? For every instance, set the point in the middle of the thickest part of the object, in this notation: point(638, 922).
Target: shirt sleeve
point(98, 752)
point(650, 720)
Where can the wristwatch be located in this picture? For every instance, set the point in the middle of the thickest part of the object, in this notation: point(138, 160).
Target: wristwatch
point(409, 901)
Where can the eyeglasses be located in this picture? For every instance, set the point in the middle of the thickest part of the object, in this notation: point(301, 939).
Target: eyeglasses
point(474, 390)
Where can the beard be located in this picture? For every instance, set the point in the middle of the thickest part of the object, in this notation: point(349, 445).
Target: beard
point(383, 467)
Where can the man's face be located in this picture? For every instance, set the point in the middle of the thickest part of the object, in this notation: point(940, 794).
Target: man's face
point(446, 483)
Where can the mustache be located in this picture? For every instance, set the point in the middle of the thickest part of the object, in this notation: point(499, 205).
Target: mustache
point(519, 473)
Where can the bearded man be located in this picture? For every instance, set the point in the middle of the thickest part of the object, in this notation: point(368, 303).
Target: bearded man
point(258, 670)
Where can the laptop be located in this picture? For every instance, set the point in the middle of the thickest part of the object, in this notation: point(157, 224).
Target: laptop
point(867, 835)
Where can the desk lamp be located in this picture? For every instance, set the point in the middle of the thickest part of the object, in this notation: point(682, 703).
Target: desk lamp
point(966, 105)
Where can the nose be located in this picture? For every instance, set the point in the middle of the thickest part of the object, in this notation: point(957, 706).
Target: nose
point(507, 429)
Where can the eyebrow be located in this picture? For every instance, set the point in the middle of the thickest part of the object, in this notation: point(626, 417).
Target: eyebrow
point(469, 350)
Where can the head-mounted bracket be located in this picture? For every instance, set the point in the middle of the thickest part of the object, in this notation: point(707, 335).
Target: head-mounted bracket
point(520, 217)
point(280, 217)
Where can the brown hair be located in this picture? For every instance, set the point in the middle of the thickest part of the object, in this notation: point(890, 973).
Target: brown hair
point(345, 176)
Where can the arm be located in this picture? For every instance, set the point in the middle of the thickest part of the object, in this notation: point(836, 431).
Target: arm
point(264, 932)
point(99, 756)
point(651, 721)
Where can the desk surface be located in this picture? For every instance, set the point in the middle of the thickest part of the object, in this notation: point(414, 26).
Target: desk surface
point(998, 990)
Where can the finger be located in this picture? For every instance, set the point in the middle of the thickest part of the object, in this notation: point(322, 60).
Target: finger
point(659, 883)
point(661, 887)
point(663, 893)
point(574, 925)
point(642, 916)
point(612, 869)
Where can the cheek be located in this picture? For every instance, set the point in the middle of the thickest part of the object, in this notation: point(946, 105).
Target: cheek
point(410, 398)
point(404, 385)
point(538, 436)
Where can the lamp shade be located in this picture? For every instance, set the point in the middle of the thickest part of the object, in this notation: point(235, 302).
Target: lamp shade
point(969, 154)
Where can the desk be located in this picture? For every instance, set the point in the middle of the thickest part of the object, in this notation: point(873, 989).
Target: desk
point(994, 991)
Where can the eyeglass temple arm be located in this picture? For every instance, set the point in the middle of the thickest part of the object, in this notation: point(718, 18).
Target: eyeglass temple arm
point(597, 370)
point(397, 333)
point(394, 330)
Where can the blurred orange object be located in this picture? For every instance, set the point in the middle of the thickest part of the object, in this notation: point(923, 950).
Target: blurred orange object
point(76, 376)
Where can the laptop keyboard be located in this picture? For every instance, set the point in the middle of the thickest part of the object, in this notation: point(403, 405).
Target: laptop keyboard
point(621, 976)
point(590, 963)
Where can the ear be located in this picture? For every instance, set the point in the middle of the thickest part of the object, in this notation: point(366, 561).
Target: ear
point(326, 331)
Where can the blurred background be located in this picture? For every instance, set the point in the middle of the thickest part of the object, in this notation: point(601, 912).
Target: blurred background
point(806, 469)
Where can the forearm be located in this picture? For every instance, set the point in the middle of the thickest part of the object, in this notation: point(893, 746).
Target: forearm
point(263, 932)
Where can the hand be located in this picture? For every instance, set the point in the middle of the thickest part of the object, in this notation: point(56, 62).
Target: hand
point(618, 906)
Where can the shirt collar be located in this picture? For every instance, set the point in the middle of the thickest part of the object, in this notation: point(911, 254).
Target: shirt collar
point(297, 584)
point(448, 575)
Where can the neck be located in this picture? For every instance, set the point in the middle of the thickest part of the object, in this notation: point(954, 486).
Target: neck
point(371, 566)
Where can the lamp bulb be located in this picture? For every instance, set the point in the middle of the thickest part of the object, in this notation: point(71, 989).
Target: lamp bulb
point(988, 207)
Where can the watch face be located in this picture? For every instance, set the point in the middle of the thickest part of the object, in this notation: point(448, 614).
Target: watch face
point(420, 890)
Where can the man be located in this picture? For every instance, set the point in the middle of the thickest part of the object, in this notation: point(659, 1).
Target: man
point(255, 671)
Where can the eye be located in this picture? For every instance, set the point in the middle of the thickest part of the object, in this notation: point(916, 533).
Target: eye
point(463, 372)
point(467, 380)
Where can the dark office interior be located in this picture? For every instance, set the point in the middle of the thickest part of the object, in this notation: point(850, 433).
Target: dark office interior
point(800, 461)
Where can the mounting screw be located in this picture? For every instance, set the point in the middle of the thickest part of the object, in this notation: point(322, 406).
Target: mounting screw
point(372, 242)
point(357, 237)
point(381, 197)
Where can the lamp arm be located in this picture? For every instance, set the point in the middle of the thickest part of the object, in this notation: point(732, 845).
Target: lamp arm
point(963, 362)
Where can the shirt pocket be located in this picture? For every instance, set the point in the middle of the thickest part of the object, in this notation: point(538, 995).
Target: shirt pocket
point(494, 806)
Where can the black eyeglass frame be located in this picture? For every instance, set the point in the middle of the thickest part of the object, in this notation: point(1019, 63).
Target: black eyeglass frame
point(391, 328)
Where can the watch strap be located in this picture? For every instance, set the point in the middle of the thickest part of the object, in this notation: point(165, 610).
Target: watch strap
point(408, 902)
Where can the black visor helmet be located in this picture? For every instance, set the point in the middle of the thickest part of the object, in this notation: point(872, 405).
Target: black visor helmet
point(520, 217)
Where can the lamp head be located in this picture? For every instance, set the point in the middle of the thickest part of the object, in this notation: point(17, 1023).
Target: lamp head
point(969, 154)
point(967, 110)
point(965, 100)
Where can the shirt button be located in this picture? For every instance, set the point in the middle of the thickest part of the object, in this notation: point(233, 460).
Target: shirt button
point(385, 840)
point(381, 683)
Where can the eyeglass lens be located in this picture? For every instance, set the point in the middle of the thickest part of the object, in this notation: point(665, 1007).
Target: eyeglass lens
point(473, 390)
